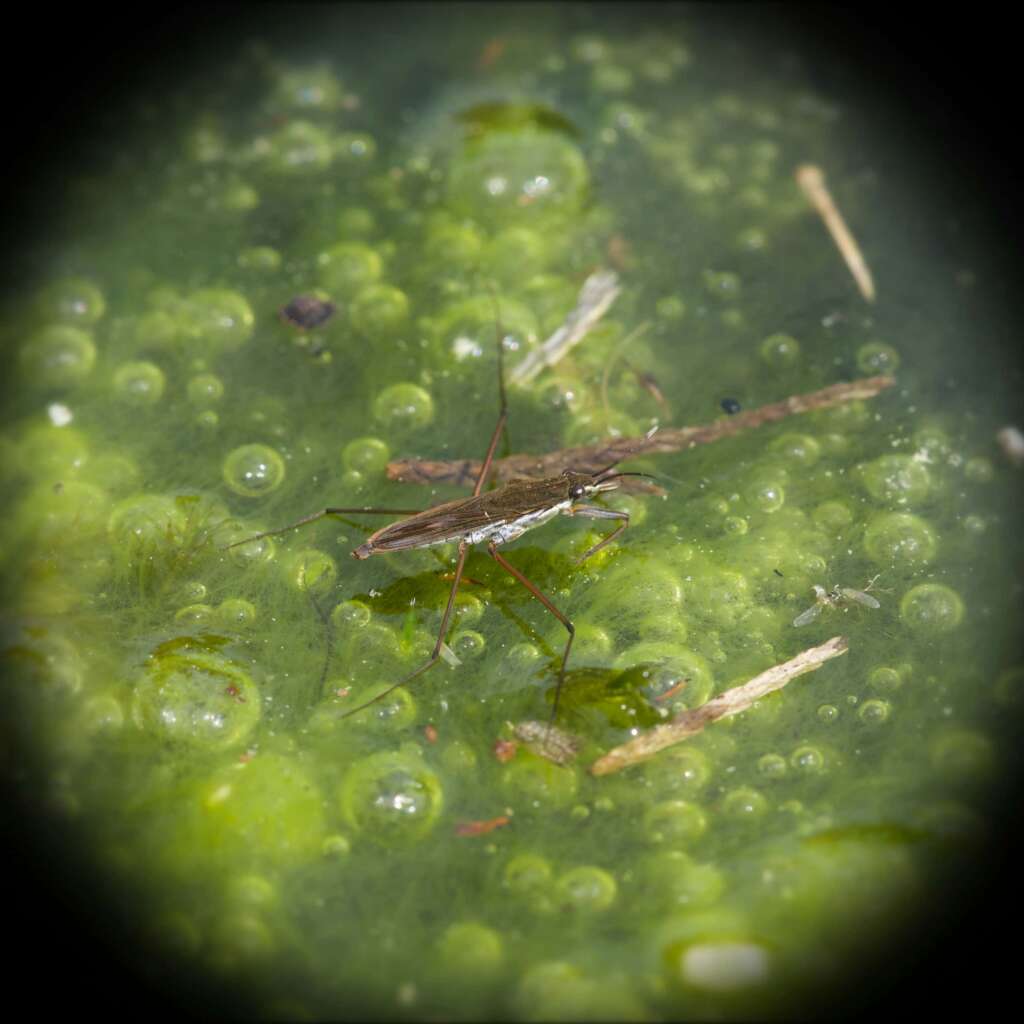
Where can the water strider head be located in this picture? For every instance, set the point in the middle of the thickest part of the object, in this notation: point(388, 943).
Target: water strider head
point(583, 485)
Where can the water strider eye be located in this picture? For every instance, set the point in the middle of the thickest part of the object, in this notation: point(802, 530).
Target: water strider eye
point(579, 491)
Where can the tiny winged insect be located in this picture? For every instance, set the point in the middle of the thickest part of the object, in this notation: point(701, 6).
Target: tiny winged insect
point(494, 518)
point(834, 598)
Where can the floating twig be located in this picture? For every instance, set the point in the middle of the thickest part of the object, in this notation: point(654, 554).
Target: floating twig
point(546, 741)
point(732, 702)
point(599, 291)
point(590, 458)
point(811, 180)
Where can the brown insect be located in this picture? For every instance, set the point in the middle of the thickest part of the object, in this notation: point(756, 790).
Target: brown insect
point(493, 518)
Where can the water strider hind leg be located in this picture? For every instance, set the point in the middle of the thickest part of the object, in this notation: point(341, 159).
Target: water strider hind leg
point(563, 619)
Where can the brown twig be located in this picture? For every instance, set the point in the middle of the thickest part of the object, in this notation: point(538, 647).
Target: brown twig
point(811, 180)
point(591, 458)
point(732, 702)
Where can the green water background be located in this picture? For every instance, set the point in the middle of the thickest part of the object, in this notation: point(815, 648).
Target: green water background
point(929, 321)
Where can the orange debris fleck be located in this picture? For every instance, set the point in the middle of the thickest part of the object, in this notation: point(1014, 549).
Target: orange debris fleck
point(672, 691)
point(481, 828)
point(490, 54)
point(505, 750)
point(620, 252)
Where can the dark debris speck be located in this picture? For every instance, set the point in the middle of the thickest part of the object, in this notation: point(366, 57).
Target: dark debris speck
point(307, 311)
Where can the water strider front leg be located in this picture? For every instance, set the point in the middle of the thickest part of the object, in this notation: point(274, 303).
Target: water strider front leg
point(314, 516)
point(492, 550)
point(595, 512)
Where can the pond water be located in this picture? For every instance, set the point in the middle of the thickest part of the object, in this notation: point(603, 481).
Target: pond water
point(178, 706)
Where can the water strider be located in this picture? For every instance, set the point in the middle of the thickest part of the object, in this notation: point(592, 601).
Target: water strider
point(493, 518)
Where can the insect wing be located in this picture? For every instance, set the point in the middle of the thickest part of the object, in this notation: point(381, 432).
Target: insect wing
point(450, 521)
point(806, 617)
point(455, 520)
point(859, 596)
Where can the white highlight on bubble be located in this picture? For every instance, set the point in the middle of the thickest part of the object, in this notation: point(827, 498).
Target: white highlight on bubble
point(59, 413)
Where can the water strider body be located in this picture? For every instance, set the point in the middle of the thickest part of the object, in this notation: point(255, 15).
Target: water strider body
point(498, 516)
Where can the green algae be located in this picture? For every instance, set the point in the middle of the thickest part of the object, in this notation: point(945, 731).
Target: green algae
point(192, 700)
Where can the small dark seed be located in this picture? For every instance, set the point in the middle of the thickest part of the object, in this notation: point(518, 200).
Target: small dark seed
point(307, 312)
